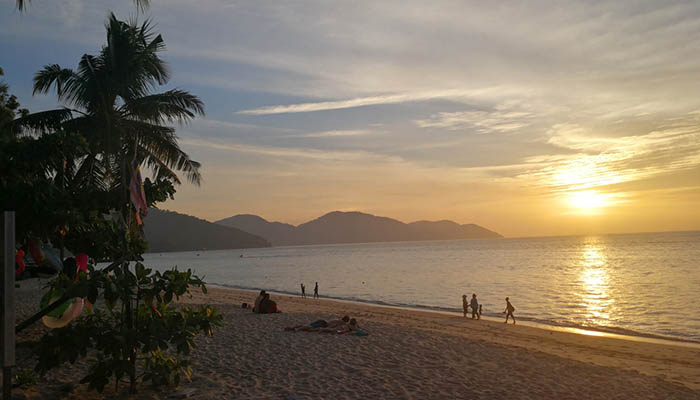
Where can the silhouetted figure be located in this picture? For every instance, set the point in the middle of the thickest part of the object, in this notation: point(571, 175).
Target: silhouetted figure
point(316, 291)
point(256, 305)
point(480, 308)
point(475, 307)
point(303, 291)
point(509, 311)
point(267, 306)
point(465, 305)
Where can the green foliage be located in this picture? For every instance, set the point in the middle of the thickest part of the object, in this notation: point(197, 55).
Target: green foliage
point(161, 338)
point(9, 110)
point(24, 378)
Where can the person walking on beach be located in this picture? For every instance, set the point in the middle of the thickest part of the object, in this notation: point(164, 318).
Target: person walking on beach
point(509, 311)
point(474, 304)
point(316, 291)
point(303, 291)
point(465, 305)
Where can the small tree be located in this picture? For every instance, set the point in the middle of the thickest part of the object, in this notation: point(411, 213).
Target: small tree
point(161, 337)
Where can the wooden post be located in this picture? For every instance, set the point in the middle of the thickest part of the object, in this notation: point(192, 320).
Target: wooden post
point(7, 308)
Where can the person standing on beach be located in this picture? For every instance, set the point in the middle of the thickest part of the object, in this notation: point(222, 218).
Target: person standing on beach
point(465, 305)
point(509, 311)
point(303, 291)
point(475, 307)
point(316, 291)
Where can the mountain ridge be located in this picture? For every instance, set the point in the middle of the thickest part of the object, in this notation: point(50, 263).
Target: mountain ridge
point(354, 227)
point(171, 231)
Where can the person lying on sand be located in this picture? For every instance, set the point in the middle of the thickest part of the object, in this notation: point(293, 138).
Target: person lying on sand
point(320, 324)
point(352, 328)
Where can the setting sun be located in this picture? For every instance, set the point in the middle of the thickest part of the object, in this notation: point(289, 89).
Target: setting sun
point(588, 200)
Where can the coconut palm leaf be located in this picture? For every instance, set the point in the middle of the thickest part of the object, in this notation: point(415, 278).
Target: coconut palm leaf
point(41, 122)
point(171, 106)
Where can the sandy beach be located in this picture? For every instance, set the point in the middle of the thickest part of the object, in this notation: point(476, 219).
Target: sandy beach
point(408, 354)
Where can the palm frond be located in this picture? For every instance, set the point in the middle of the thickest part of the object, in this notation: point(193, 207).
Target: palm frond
point(42, 122)
point(91, 173)
point(131, 58)
point(69, 85)
point(173, 106)
point(160, 143)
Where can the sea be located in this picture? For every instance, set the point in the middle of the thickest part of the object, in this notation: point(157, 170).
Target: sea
point(644, 285)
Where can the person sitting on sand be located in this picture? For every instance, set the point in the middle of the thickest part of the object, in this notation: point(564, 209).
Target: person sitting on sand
point(258, 299)
point(465, 305)
point(475, 307)
point(267, 306)
point(509, 309)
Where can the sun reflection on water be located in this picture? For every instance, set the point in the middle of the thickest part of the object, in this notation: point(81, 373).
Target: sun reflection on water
point(595, 285)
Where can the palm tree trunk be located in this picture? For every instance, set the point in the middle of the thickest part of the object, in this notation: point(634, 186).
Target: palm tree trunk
point(125, 268)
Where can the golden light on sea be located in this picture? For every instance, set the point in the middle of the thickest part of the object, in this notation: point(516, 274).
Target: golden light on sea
point(595, 285)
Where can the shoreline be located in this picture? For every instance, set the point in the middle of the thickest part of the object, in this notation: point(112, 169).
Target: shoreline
point(511, 348)
point(600, 331)
point(409, 353)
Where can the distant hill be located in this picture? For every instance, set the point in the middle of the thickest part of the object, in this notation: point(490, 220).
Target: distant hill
point(277, 233)
point(170, 231)
point(355, 227)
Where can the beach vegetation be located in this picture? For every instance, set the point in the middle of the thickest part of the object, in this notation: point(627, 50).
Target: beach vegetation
point(67, 173)
point(158, 340)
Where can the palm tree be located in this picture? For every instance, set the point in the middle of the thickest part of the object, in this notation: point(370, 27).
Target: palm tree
point(142, 5)
point(109, 101)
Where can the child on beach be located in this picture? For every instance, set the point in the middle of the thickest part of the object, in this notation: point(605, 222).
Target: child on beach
point(465, 305)
point(316, 291)
point(303, 291)
point(509, 310)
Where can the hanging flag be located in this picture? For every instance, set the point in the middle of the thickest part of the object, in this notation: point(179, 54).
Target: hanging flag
point(138, 197)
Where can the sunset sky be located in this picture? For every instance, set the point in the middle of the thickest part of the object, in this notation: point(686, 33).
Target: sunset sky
point(529, 118)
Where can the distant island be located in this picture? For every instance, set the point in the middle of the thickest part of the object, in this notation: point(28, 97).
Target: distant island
point(354, 227)
point(170, 231)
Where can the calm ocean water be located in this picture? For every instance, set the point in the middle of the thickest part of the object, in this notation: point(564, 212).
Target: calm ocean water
point(633, 284)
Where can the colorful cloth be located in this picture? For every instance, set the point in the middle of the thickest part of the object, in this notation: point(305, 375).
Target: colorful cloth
point(138, 197)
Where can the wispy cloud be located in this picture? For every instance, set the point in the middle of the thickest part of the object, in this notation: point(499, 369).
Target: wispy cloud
point(605, 161)
point(324, 134)
point(452, 94)
point(499, 120)
point(282, 151)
